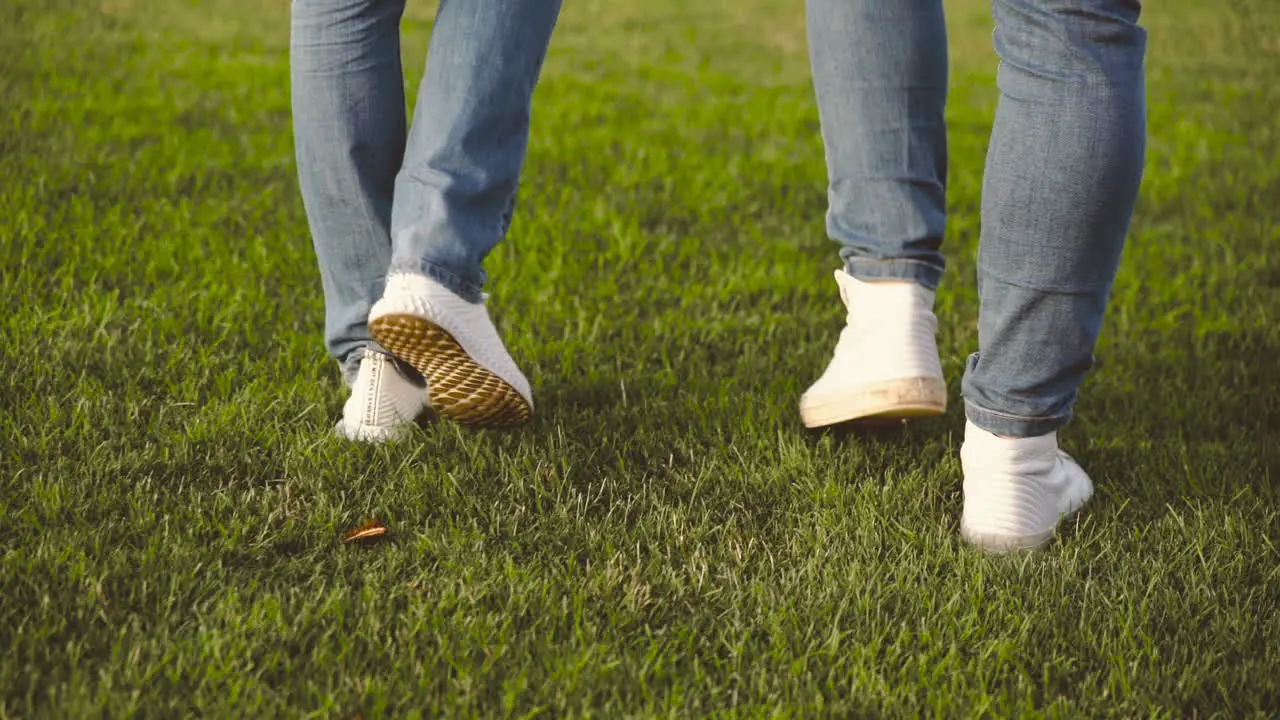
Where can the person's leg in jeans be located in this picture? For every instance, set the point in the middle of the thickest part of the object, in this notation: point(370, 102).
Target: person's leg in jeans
point(468, 140)
point(880, 76)
point(349, 131)
point(1062, 176)
point(349, 135)
point(454, 197)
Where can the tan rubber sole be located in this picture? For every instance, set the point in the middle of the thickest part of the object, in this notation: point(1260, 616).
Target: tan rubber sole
point(458, 387)
point(888, 400)
point(998, 544)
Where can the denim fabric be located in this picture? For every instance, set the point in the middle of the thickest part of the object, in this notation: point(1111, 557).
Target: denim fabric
point(381, 196)
point(1062, 175)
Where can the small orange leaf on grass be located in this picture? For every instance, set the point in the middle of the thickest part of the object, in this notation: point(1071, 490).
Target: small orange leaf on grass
point(369, 531)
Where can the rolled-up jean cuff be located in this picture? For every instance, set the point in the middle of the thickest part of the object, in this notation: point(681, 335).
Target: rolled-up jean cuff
point(1017, 426)
point(870, 270)
point(456, 284)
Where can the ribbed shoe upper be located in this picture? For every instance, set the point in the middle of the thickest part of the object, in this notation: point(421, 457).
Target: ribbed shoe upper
point(383, 403)
point(890, 333)
point(1016, 490)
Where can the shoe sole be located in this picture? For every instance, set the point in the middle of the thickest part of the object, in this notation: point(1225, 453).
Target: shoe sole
point(458, 387)
point(373, 434)
point(998, 544)
point(888, 400)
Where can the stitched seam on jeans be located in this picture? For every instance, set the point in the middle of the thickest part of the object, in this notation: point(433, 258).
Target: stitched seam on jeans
point(904, 262)
point(1007, 416)
point(896, 268)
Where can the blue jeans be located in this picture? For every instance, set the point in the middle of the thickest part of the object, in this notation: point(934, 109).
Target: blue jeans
point(1062, 175)
point(435, 198)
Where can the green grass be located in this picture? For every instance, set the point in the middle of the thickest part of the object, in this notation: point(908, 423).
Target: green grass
point(664, 539)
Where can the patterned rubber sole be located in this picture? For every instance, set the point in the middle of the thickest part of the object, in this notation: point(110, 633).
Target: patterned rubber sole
point(458, 386)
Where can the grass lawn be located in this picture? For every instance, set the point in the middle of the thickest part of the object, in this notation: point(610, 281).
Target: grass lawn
point(665, 539)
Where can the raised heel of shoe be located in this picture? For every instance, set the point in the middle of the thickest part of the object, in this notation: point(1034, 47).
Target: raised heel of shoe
point(461, 388)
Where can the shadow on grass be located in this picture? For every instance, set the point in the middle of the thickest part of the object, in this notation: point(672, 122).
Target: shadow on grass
point(1203, 422)
point(913, 432)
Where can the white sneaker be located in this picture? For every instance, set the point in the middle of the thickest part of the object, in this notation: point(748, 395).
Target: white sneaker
point(383, 403)
point(886, 362)
point(455, 346)
point(1017, 489)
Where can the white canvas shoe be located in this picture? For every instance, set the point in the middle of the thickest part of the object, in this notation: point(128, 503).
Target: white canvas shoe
point(1016, 490)
point(455, 346)
point(886, 361)
point(383, 403)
